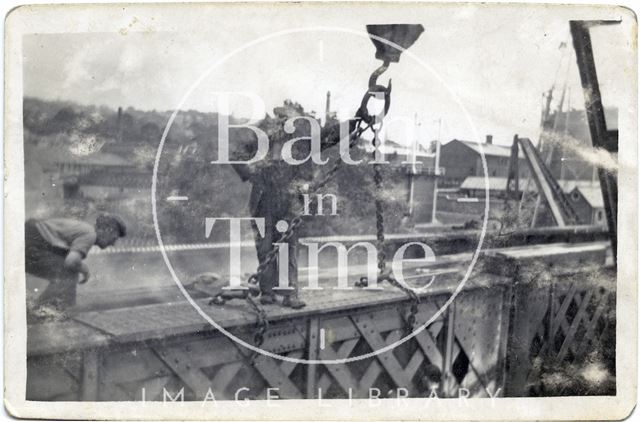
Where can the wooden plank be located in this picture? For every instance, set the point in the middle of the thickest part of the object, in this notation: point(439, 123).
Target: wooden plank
point(154, 321)
point(130, 297)
point(159, 321)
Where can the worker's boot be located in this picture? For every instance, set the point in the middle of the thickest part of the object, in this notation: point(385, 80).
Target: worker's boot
point(293, 302)
point(268, 299)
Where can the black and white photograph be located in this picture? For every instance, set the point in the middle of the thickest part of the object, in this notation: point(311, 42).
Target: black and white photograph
point(302, 211)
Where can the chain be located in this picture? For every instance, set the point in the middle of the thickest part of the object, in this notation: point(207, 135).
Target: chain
point(377, 179)
point(262, 323)
point(261, 326)
point(297, 221)
point(410, 319)
point(382, 262)
point(354, 136)
point(273, 253)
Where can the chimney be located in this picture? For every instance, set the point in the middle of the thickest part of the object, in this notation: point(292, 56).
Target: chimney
point(327, 112)
point(490, 139)
point(119, 126)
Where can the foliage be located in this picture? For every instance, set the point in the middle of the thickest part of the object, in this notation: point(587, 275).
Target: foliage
point(59, 128)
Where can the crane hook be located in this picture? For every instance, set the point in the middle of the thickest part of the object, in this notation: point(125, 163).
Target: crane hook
point(374, 90)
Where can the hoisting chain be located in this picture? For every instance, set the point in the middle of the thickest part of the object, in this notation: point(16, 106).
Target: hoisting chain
point(261, 326)
point(297, 221)
point(410, 320)
point(369, 121)
point(262, 322)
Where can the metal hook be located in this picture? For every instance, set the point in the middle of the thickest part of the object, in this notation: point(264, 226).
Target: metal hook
point(373, 79)
point(374, 89)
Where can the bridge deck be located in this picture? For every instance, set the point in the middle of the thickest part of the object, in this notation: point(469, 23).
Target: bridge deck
point(159, 320)
point(169, 345)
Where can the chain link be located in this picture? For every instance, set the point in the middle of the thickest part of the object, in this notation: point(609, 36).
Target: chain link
point(262, 324)
point(377, 179)
point(382, 261)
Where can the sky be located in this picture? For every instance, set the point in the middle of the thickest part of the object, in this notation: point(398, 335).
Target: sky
point(474, 71)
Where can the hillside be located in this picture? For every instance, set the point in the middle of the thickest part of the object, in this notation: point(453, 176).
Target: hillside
point(104, 141)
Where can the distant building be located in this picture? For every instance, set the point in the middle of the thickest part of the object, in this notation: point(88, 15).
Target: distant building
point(97, 175)
point(75, 165)
point(475, 186)
point(462, 159)
point(585, 196)
point(588, 203)
point(414, 174)
point(563, 155)
point(403, 156)
point(108, 185)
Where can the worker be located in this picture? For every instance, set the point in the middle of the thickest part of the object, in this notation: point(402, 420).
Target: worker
point(55, 250)
point(276, 195)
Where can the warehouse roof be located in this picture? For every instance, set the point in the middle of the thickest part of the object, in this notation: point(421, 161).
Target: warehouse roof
point(489, 150)
point(116, 179)
point(495, 183)
point(590, 191)
point(96, 158)
point(569, 185)
point(593, 195)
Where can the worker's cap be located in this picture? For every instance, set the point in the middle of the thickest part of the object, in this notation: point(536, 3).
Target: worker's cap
point(114, 221)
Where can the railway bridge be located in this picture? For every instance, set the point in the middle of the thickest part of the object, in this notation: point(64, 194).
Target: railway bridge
point(535, 295)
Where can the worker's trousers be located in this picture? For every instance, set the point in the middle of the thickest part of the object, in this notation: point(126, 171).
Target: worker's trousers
point(46, 261)
point(269, 279)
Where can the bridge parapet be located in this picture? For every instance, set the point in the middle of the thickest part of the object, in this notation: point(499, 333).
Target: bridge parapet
point(520, 304)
